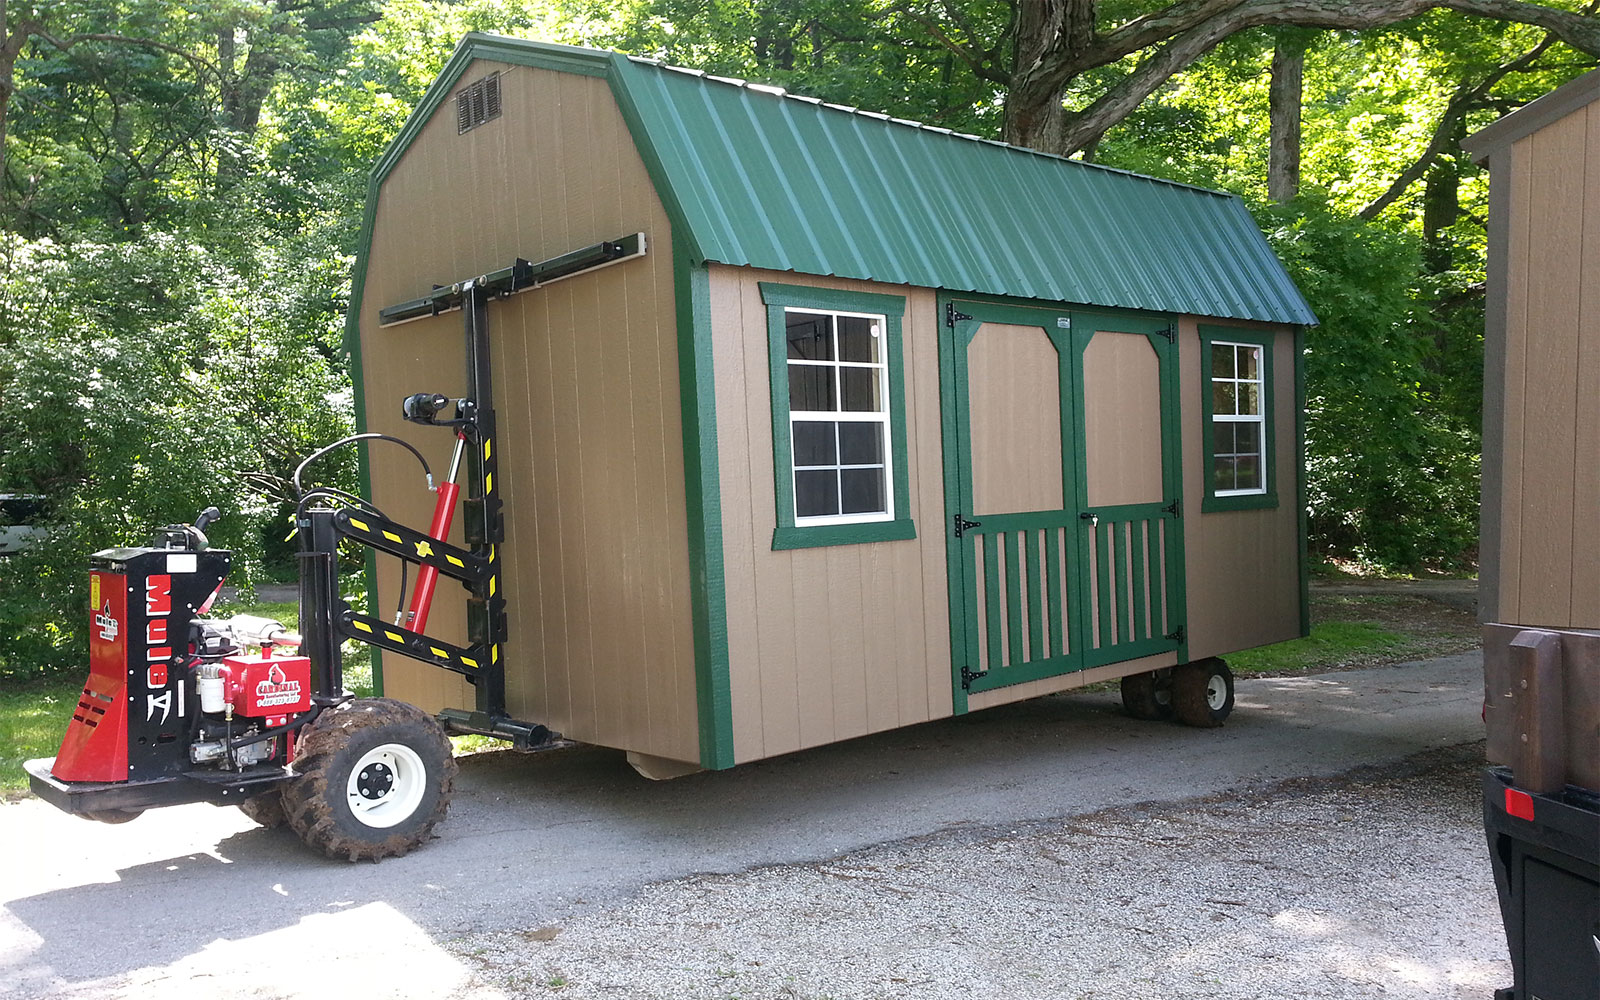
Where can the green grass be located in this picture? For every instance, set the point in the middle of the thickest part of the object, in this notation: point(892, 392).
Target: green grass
point(1331, 645)
point(33, 717)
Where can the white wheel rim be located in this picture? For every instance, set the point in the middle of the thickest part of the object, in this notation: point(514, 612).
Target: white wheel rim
point(386, 785)
point(1216, 692)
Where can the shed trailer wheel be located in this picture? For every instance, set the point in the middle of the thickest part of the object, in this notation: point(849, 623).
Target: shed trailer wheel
point(1202, 692)
point(374, 778)
point(112, 815)
point(1148, 695)
point(266, 808)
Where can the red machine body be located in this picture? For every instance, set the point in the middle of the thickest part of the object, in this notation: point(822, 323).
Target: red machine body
point(95, 747)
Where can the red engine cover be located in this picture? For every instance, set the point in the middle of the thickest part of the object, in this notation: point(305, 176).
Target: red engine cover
point(262, 686)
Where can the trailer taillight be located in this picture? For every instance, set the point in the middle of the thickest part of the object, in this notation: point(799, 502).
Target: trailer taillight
point(1519, 804)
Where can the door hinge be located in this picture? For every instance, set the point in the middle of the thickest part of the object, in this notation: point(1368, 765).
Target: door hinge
point(1174, 508)
point(952, 315)
point(1171, 333)
point(968, 676)
point(962, 524)
point(1176, 636)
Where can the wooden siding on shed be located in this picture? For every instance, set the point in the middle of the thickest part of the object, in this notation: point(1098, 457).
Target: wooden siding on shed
point(825, 644)
point(1243, 565)
point(596, 565)
point(1544, 458)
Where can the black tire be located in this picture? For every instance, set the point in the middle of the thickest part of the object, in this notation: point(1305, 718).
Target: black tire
point(1202, 693)
point(374, 777)
point(1148, 695)
point(112, 815)
point(266, 808)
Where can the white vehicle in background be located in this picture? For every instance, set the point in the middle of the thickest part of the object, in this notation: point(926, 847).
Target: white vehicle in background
point(19, 514)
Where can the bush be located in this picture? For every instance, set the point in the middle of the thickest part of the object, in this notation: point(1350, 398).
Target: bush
point(139, 383)
point(1392, 461)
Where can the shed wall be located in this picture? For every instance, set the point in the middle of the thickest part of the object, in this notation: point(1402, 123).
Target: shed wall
point(1243, 565)
point(825, 644)
point(1542, 456)
point(595, 562)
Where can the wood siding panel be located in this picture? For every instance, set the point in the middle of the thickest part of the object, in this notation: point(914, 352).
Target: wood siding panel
point(1122, 442)
point(1243, 566)
point(827, 643)
point(1549, 410)
point(1014, 402)
point(1515, 387)
point(1586, 488)
point(595, 564)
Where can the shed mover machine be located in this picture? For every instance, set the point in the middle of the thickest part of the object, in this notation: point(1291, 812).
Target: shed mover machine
point(182, 708)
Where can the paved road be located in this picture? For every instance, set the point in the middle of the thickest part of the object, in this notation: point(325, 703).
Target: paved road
point(199, 895)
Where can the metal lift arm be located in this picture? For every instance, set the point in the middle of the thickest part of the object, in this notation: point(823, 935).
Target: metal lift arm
point(326, 619)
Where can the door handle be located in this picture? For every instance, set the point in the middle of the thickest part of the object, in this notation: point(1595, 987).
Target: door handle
point(1091, 517)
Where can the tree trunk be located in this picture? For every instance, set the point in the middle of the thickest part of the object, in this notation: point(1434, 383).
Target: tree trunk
point(1045, 31)
point(1284, 104)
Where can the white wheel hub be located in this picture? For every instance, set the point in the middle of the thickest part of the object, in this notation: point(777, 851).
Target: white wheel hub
point(1216, 692)
point(386, 785)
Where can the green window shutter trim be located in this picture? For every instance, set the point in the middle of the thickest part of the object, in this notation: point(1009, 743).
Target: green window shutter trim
point(1211, 503)
point(788, 535)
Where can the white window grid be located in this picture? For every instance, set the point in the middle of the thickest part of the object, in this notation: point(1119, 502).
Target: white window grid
point(1258, 418)
point(840, 415)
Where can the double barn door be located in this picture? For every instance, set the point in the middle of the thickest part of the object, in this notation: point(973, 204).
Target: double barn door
point(1063, 473)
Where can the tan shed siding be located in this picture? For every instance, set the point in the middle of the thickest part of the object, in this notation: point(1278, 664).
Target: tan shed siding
point(1243, 565)
point(1586, 490)
point(596, 567)
point(825, 644)
point(1014, 388)
point(1549, 517)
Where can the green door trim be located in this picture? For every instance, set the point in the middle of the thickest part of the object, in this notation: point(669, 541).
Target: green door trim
point(956, 336)
point(1162, 336)
point(1070, 332)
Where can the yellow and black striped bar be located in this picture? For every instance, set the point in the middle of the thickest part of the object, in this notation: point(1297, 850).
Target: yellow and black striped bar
point(408, 543)
point(471, 661)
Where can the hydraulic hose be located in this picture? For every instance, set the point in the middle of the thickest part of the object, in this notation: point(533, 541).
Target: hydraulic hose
point(369, 436)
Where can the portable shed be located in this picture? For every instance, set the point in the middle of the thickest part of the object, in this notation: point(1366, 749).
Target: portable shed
point(885, 424)
point(1539, 576)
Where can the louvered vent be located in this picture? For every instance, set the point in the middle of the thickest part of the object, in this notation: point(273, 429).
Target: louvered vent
point(478, 102)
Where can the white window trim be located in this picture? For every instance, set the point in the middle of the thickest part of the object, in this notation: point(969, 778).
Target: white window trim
point(1259, 419)
point(882, 417)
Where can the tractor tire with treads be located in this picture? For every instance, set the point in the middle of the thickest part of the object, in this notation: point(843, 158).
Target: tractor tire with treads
point(374, 776)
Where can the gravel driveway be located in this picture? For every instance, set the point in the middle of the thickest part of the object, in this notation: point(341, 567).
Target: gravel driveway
point(1372, 884)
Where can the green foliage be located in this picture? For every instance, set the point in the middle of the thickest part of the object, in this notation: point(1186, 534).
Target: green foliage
point(1392, 463)
point(139, 382)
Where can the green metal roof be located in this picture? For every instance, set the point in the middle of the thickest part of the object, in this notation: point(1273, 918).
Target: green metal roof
point(753, 176)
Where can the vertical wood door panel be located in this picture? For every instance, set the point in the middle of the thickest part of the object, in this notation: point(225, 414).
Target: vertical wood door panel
point(1014, 381)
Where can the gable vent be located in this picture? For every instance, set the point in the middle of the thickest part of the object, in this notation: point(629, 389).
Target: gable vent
point(478, 102)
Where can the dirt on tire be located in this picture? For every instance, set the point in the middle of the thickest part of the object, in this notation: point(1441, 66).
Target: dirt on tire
point(328, 750)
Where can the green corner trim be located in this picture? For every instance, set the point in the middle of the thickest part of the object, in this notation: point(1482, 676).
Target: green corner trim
point(1210, 502)
point(787, 534)
point(1302, 514)
point(708, 585)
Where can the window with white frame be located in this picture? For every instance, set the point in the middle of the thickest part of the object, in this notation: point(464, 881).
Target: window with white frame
point(839, 416)
point(1238, 419)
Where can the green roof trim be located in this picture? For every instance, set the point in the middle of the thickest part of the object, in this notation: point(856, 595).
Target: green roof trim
point(751, 176)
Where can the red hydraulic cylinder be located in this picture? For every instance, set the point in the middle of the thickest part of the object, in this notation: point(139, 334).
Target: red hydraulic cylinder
point(427, 576)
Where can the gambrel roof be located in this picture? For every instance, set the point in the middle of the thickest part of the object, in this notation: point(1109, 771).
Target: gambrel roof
point(753, 176)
